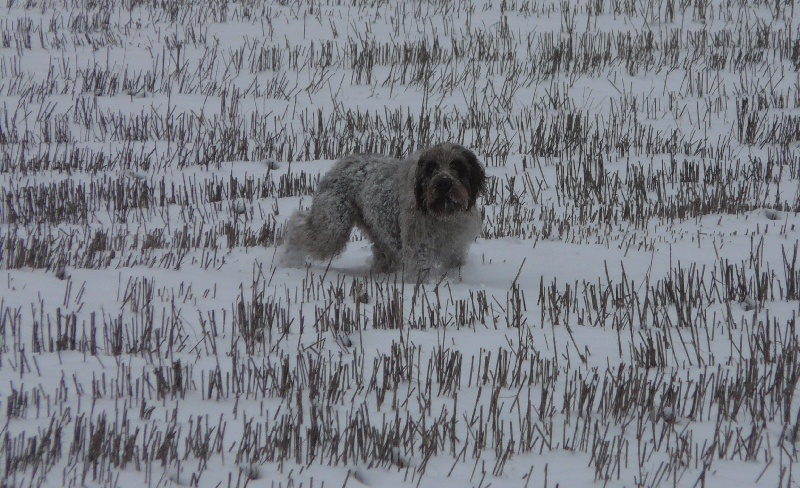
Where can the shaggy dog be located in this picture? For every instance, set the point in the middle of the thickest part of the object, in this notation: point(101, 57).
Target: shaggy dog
point(419, 213)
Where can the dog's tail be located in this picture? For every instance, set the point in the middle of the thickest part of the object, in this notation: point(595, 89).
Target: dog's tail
point(320, 233)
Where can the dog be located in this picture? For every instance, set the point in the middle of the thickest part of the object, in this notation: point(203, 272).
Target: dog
point(419, 213)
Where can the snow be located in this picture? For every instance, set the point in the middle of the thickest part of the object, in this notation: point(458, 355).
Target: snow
point(627, 318)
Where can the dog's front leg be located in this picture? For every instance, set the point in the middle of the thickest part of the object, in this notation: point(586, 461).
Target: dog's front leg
point(419, 252)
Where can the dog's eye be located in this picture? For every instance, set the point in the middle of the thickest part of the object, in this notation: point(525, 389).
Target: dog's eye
point(429, 166)
point(459, 166)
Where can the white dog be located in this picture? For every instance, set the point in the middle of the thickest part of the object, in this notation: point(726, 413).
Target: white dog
point(419, 213)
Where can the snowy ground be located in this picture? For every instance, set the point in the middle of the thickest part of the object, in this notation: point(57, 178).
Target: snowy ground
point(627, 318)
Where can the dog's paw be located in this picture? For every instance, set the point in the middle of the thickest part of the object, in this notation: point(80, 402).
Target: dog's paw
point(289, 257)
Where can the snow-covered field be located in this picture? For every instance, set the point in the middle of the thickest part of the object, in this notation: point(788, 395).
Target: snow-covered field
point(628, 316)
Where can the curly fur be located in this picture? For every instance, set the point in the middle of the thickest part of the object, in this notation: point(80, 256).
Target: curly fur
point(419, 212)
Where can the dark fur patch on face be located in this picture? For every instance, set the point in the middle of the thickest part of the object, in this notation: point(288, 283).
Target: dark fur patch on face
point(449, 179)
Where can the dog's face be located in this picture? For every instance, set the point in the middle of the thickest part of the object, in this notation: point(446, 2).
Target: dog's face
point(449, 179)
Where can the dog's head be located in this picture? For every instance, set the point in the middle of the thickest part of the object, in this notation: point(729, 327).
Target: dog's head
point(448, 180)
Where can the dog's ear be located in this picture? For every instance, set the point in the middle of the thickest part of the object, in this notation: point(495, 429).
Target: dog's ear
point(421, 177)
point(476, 177)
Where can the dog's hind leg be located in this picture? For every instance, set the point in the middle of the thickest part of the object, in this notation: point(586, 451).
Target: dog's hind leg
point(321, 232)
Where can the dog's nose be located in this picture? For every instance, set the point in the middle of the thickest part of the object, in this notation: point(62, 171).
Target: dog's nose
point(444, 184)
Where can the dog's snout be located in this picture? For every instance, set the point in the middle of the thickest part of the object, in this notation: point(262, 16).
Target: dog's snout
point(444, 184)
